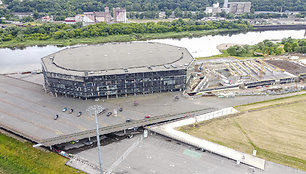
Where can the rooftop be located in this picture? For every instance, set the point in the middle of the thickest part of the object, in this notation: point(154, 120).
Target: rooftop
point(117, 58)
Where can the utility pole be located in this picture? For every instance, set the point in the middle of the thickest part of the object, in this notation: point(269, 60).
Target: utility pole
point(96, 109)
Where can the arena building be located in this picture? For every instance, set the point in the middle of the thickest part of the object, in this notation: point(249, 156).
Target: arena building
point(116, 69)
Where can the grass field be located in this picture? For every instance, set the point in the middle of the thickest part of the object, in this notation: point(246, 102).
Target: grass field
point(20, 157)
point(276, 129)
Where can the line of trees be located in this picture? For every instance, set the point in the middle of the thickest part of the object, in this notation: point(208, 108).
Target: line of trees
point(65, 31)
point(201, 14)
point(266, 47)
point(63, 8)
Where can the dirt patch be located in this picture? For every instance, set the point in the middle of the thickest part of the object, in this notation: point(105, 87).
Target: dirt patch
point(290, 67)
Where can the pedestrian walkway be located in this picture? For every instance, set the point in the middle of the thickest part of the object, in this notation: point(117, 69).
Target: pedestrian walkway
point(82, 164)
point(169, 130)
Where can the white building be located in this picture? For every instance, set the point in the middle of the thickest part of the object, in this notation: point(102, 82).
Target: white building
point(119, 15)
point(236, 7)
point(214, 9)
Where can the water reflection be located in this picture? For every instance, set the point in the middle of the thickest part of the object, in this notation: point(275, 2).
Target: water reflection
point(28, 58)
point(207, 45)
point(24, 58)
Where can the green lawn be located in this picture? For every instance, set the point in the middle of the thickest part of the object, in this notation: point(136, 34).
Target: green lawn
point(20, 157)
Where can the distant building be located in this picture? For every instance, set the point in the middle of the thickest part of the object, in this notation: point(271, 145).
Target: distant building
point(70, 20)
point(119, 15)
point(96, 17)
point(162, 15)
point(172, 16)
point(22, 15)
point(47, 19)
point(236, 7)
point(88, 18)
point(214, 9)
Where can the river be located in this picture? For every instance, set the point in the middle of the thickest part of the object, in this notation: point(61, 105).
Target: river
point(28, 59)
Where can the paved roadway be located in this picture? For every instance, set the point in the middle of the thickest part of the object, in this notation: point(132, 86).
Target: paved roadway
point(160, 155)
point(28, 111)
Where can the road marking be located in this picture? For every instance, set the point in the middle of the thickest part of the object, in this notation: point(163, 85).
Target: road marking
point(103, 124)
point(81, 128)
point(124, 155)
point(192, 153)
point(90, 118)
point(58, 132)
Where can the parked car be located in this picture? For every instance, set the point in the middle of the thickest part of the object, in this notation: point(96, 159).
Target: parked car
point(147, 116)
point(79, 114)
point(56, 117)
point(71, 110)
point(120, 109)
point(128, 120)
point(109, 114)
point(64, 109)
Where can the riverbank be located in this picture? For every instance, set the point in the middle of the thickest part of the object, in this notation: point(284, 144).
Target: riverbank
point(279, 27)
point(261, 49)
point(115, 38)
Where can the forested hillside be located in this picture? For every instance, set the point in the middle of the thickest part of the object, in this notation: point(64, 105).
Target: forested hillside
point(72, 7)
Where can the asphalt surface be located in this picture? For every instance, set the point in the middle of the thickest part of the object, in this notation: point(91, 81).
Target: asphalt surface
point(28, 111)
point(160, 155)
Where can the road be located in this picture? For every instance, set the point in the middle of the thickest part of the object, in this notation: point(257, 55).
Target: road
point(28, 111)
point(160, 155)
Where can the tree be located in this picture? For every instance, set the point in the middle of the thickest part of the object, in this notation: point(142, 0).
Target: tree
point(178, 13)
point(288, 47)
point(279, 51)
point(36, 15)
point(27, 19)
point(236, 50)
point(168, 13)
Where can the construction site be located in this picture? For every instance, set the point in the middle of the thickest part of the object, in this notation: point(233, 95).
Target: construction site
point(213, 76)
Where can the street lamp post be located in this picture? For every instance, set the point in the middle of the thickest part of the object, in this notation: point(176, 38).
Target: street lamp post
point(96, 109)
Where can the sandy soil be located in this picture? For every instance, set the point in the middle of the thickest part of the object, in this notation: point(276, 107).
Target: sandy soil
point(225, 46)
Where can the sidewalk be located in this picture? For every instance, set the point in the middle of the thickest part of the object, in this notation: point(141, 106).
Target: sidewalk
point(169, 130)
